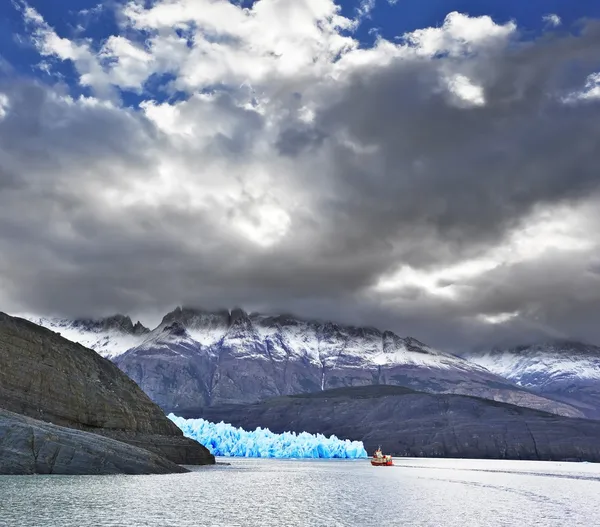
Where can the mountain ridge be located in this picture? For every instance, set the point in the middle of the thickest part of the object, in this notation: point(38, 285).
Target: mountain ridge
point(196, 357)
point(563, 369)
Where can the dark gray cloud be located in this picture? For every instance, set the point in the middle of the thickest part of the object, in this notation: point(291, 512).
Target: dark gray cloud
point(463, 176)
point(391, 170)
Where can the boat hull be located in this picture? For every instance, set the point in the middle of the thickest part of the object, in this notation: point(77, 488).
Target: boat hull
point(375, 463)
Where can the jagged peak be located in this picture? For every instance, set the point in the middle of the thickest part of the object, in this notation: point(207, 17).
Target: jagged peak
point(239, 316)
point(186, 314)
point(176, 329)
point(118, 322)
point(140, 329)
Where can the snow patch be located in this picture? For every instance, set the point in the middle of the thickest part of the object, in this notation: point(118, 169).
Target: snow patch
point(109, 344)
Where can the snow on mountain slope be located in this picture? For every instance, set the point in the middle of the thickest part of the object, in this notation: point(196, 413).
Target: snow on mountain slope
point(205, 327)
point(540, 365)
point(236, 357)
point(197, 358)
point(109, 337)
point(324, 344)
point(565, 370)
point(172, 339)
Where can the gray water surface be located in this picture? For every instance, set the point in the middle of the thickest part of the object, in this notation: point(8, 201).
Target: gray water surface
point(254, 492)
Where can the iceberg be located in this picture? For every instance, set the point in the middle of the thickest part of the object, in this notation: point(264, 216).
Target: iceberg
point(223, 439)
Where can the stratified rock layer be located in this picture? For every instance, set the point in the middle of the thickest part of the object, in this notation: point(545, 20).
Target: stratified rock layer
point(29, 446)
point(408, 423)
point(49, 378)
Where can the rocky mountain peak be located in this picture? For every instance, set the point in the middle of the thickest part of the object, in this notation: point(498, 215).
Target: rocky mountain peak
point(193, 316)
point(118, 322)
point(413, 344)
point(239, 316)
point(139, 329)
point(176, 329)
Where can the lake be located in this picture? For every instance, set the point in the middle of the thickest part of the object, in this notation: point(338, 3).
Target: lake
point(267, 492)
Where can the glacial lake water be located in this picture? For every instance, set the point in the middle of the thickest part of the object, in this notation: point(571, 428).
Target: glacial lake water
point(264, 492)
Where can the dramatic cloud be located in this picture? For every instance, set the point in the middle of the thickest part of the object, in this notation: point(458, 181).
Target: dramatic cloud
point(443, 184)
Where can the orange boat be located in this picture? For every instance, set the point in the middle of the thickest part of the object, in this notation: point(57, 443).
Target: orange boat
point(381, 460)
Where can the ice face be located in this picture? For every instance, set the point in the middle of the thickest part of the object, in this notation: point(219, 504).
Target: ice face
point(222, 439)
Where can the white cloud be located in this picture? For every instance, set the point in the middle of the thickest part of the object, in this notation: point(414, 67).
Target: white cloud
point(460, 34)
point(552, 20)
point(4, 105)
point(465, 91)
point(592, 87)
point(273, 41)
point(499, 318)
point(589, 93)
point(128, 64)
point(215, 42)
point(49, 44)
point(365, 8)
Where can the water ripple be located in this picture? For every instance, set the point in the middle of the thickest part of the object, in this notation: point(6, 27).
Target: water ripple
point(259, 492)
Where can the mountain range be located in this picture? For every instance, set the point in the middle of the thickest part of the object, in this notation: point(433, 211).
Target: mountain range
point(195, 359)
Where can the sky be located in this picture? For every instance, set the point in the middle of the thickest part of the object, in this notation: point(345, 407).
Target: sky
point(426, 167)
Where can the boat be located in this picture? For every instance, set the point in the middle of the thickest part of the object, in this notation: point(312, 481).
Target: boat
point(381, 460)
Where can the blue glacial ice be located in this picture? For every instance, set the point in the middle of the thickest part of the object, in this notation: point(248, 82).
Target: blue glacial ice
point(223, 439)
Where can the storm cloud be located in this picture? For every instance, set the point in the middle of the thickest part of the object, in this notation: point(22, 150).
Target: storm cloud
point(444, 186)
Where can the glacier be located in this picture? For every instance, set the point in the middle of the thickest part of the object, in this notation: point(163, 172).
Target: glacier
point(223, 439)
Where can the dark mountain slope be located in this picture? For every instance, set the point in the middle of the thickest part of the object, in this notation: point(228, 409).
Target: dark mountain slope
point(49, 378)
point(409, 423)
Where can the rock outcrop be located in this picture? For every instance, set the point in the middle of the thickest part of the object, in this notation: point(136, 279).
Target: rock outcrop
point(49, 378)
point(409, 423)
point(29, 446)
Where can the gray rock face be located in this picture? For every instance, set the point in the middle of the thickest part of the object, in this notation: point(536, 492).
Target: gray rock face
point(196, 359)
point(409, 423)
point(29, 446)
point(49, 378)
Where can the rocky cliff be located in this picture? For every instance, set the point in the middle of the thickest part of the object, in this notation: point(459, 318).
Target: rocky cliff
point(49, 378)
point(408, 423)
point(29, 446)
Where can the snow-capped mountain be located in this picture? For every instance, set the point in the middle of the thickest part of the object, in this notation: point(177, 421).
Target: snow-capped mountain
point(196, 358)
point(109, 336)
point(279, 338)
point(564, 370)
